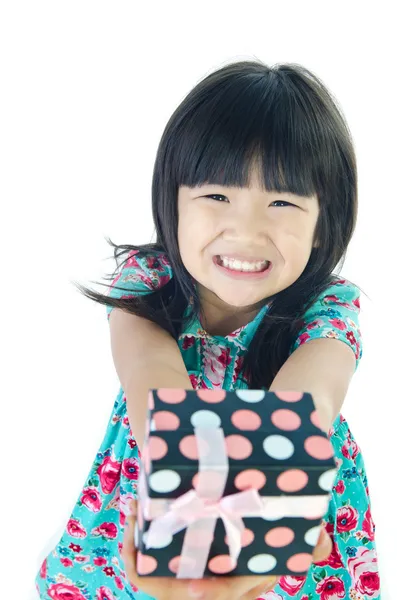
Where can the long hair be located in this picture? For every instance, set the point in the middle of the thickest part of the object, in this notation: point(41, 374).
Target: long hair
point(283, 119)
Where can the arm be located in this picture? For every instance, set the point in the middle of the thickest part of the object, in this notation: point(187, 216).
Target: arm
point(322, 367)
point(145, 356)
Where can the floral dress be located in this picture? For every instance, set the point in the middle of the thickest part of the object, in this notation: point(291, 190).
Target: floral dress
point(86, 563)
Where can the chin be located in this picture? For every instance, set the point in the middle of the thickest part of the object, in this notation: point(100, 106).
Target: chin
point(233, 299)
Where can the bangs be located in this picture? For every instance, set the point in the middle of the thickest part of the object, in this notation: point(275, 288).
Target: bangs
point(268, 123)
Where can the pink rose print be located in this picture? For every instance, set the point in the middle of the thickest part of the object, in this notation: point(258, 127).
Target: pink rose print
point(99, 561)
point(103, 593)
point(66, 562)
point(130, 468)
point(125, 503)
point(330, 588)
point(354, 449)
point(346, 519)
point(368, 525)
point(91, 499)
point(270, 596)
point(364, 571)
point(345, 451)
point(109, 474)
point(194, 381)
point(338, 324)
point(108, 530)
point(339, 487)
point(63, 591)
point(334, 560)
point(215, 360)
point(109, 571)
point(82, 559)
point(188, 342)
point(43, 570)
point(291, 585)
point(75, 547)
point(119, 583)
point(75, 529)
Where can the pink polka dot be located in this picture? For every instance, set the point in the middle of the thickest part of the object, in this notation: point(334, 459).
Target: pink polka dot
point(151, 401)
point(221, 564)
point(318, 447)
point(315, 419)
point(211, 396)
point(188, 447)
point(238, 447)
point(286, 419)
point(247, 420)
point(174, 563)
point(250, 478)
point(299, 562)
point(145, 564)
point(208, 479)
point(246, 539)
point(279, 537)
point(171, 396)
point(292, 480)
point(289, 396)
point(166, 420)
point(157, 447)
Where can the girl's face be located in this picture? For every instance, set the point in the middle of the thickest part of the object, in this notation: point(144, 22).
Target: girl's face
point(217, 223)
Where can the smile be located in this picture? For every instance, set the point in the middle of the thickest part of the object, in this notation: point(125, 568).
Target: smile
point(246, 266)
point(240, 268)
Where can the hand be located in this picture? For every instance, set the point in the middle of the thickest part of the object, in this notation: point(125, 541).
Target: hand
point(222, 588)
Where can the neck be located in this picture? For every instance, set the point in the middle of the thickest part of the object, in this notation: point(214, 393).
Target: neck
point(218, 318)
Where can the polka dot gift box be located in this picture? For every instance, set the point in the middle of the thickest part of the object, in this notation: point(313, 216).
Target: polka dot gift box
point(233, 483)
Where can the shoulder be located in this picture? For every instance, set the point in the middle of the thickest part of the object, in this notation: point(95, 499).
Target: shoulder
point(152, 270)
point(139, 273)
point(334, 314)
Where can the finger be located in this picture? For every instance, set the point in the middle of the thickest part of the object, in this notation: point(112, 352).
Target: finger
point(323, 548)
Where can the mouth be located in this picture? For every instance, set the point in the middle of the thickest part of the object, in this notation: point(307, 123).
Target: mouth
point(241, 264)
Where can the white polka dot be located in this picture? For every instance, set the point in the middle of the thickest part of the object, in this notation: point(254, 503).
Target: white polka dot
point(205, 418)
point(281, 515)
point(278, 446)
point(261, 563)
point(311, 536)
point(164, 481)
point(162, 540)
point(250, 395)
point(326, 480)
point(136, 535)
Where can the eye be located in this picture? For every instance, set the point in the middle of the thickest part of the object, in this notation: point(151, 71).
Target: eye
point(213, 195)
point(284, 202)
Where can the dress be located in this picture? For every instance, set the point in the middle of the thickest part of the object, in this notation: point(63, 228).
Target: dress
point(86, 563)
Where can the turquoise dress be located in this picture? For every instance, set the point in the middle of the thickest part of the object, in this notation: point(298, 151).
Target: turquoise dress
point(86, 563)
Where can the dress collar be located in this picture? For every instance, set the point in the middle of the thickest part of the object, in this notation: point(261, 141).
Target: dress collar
point(241, 336)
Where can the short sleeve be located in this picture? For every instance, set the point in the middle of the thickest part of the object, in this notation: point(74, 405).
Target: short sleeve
point(139, 275)
point(334, 315)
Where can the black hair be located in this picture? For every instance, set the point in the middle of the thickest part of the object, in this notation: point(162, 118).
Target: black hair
point(247, 113)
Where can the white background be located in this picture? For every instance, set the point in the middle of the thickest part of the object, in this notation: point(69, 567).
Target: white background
point(87, 88)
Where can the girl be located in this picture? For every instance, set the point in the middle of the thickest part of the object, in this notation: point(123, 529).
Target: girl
point(254, 202)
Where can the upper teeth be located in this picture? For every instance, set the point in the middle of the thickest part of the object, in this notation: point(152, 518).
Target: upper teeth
point(244, 265)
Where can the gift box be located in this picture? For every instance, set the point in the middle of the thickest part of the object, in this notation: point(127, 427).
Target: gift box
point(231, 483)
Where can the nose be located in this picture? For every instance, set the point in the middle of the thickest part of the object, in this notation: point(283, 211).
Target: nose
point(246, 223)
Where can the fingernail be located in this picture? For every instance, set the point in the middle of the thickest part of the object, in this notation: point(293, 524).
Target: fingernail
point(194, 592)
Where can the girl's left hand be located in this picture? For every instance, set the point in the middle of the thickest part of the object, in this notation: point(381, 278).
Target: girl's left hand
point(228, 588)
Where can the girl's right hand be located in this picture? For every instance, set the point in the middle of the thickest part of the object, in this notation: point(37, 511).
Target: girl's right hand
point(167, 588)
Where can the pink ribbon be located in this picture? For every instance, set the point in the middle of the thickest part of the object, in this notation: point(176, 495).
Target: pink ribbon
point(198, 510)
